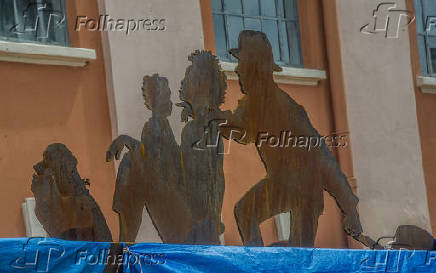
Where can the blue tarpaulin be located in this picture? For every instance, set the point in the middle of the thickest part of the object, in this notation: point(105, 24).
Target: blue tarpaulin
point(52, 255)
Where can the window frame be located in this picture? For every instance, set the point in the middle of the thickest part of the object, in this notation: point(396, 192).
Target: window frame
point(66, 41)
point(423, 35)
point(279, 19)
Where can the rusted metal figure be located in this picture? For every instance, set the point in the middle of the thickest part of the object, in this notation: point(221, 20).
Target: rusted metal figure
point(409, 237)
point(64, 205)
point(296, 176)
point(150, 173)
point(202, 92)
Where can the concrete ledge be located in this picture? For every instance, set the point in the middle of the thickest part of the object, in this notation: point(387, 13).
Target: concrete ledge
point(427, 84)
point(45, 54)
point(289, 75)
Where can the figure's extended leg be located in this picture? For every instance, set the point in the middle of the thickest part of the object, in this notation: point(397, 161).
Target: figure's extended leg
point(257, 205)
point(129, 198)
point(130, 221)
point(304, 223)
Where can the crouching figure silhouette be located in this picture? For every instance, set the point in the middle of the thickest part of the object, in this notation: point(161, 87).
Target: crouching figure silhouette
point(296, 177)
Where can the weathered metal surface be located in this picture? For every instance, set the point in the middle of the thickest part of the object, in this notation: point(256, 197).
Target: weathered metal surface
point(64, 205)
point(183, 187)
point(150, 172)
point(296, 176)
point(202, 93)
point(410, 237)
point(115, 259)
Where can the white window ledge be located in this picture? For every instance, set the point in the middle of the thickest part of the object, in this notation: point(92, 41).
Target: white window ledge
point(45, 54)
point(427, 84)
point(289, 75)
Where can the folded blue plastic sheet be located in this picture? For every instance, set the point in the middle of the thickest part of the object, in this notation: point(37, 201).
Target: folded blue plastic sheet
point(52, 255)
point(178, 258)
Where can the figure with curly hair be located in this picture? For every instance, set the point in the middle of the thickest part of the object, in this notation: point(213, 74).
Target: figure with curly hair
point(202, 92)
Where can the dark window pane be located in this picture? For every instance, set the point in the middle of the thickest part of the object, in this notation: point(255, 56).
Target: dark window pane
point(284, 44)
point(233, 6)
point(268, 7)
point(251, 7)
point(294, 44)
point(280, 9)
point(291, 10)
point(6, 17)
point(271, 30)
point(426, 26)
point(41, 21)
point(430, 25)
point(60, 34)
point(429, 8)
point(431, 54)
point(217, 6)
point(252, 24)
point(433, 59)
point(422, 54)
point(234, 27)
point(259, 15)
point(220, 36)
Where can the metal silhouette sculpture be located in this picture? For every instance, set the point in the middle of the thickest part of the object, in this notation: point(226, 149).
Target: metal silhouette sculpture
point(409, 237)
point(150, 172)
point(296, 177)
point(202, 92)
point(64, 205)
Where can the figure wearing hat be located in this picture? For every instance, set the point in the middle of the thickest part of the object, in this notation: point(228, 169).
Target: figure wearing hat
point(296, 176)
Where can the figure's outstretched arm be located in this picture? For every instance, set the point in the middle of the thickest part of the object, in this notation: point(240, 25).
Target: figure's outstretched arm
point(231, 124)
point(336, 184)
point(186, 112)
point(230, 132)
point(118, 145)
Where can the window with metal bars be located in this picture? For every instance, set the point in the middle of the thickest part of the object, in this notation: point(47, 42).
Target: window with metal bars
point(278, 19)
point(426, 29)
point(37, 21)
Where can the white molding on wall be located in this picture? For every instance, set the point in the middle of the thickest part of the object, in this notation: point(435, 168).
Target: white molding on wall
point(283, 224)
point(427, 84)
point(33, 226)
point(45, 54)
point(289, 75)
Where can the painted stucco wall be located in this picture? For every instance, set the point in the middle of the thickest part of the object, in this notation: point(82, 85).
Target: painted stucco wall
point(130, 57)
point(381, 107)
point(426, 111)
point(42, 104)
